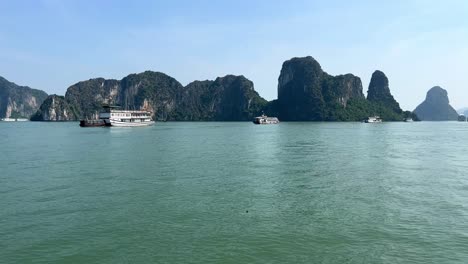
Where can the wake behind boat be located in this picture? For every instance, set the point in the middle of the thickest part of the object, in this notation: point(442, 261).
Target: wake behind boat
point(125, 118)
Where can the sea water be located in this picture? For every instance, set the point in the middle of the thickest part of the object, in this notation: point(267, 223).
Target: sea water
point(181, 192)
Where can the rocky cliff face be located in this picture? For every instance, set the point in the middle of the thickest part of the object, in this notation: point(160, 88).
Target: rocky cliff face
point(300, 91)
point(55, 108)
point(381, 100)
point(231, 98)
point(436, 107)
point(87, 97)
point(153, 91)
point(239, 100)
point(340, 89)
point(307, 93)
point(19, 101)
point(379, 92)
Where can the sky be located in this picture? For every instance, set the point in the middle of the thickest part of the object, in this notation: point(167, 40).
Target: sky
point(418, 44)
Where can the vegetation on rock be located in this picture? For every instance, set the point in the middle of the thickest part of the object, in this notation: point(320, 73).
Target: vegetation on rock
point(307, 93)
point(19, 101)
point(55, 108)
point(230, 98)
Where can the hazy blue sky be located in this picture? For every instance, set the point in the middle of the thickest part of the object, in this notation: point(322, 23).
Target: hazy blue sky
point(52, 44)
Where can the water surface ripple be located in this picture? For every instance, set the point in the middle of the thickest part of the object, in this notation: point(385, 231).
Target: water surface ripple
point(234, 193)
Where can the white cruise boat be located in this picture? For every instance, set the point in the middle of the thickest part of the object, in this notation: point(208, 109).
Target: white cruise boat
point(265, 120)
point(125, 118)
point(373, 119)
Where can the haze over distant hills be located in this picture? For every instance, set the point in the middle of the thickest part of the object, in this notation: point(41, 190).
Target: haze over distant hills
point(463, 111)
point(436, 107)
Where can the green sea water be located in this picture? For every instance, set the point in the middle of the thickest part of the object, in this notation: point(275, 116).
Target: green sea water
point(234, 193)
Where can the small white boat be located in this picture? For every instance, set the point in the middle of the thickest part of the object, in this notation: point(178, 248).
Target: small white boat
point(265, 120)
point(409, 119)
point(373, 119)
point(125, 118)
point(7, 119)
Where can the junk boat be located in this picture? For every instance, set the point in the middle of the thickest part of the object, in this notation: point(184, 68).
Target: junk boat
point(265, 120)
point(112, 116)
point(373, 119)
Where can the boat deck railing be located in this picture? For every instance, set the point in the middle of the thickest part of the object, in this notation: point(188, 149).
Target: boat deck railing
point(130, 111)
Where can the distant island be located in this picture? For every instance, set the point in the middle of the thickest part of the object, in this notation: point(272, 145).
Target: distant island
point(229, 98)
point(436, 107)
point(19, 101)
point(305, 93)
point(463, 111)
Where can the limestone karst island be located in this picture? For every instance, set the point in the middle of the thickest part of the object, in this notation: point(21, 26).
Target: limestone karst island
point(305, 93)
point(232, 132)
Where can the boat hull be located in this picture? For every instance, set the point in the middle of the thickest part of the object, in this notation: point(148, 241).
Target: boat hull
point(265, 122)
point(115, 123)
point(92, 123)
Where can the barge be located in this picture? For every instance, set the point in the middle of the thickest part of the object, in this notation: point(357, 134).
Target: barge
point(92, 123)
